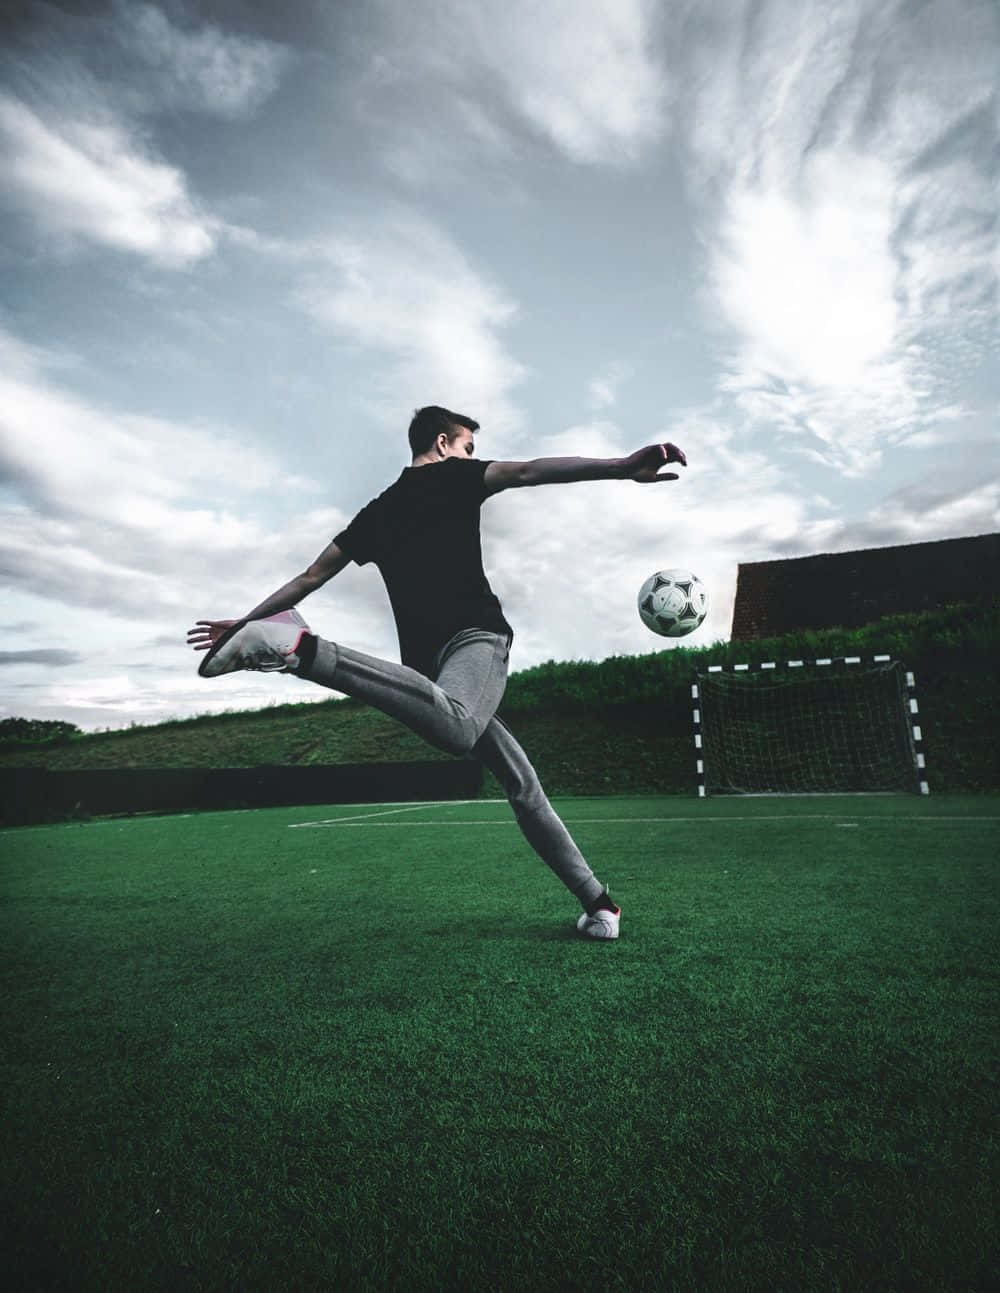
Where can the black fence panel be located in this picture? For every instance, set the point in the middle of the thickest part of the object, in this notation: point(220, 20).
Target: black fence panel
point(29, 795)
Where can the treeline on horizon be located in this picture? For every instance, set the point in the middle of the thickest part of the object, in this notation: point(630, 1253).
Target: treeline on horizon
point(36, 731)
point(956, 639)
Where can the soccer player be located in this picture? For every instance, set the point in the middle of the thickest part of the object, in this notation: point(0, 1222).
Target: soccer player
point(423, 535)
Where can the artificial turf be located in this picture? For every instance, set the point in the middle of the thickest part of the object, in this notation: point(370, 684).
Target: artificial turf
point(243, 1053)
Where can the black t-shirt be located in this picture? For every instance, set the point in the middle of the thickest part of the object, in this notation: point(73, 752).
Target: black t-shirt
point(423, 534)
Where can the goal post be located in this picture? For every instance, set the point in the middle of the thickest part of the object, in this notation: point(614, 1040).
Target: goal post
point(827, 726)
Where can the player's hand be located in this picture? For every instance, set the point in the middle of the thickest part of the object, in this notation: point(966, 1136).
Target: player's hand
point(644, 465)
point(206, 633)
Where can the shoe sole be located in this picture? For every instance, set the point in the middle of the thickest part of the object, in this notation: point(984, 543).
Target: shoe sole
point(217, 647)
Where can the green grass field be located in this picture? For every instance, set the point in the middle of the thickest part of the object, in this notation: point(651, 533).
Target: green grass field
point(243, 1051)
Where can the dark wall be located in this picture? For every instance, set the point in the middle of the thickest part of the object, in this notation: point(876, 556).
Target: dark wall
point(847, 589)
point(40, 794)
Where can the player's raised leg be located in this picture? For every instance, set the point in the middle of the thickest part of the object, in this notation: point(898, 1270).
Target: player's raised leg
point(450, 714)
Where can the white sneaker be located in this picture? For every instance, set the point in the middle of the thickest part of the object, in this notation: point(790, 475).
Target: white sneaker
point(603, 924)
point(266, 645)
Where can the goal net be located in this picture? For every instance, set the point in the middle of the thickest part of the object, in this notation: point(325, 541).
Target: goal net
point(839, 728)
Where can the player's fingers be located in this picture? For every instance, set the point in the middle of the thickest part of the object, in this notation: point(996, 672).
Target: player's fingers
point(667, 475)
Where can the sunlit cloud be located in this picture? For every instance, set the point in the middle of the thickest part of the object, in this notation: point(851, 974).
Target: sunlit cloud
point(585, 75)
point(851, 253)
point(582, 78)
point(405, 291)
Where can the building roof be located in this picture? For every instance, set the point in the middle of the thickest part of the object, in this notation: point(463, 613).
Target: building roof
point(848, 589)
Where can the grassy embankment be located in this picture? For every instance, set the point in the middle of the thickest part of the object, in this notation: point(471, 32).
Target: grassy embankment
point(619, 726)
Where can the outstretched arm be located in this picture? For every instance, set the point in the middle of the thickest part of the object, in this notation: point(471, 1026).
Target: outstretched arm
point(643, 465)
point(331, 561)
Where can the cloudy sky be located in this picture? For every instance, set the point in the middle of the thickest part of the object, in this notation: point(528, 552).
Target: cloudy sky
point(240, 242)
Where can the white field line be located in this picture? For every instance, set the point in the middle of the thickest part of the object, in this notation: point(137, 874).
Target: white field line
point(631, 821)
point(387, 812)
point(364, 819)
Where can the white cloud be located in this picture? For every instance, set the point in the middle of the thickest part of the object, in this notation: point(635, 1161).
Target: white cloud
point(75, 162)
point(957, 498)
point(851, 251)
point(155, 691)
point(202, 69)
point(583, 76)
point(50, 556)
point(121, 467)
point(406, 291)
point(121, 528)
point(949, 244)
point(107, 505)
point(93, 181)
point(809, 278)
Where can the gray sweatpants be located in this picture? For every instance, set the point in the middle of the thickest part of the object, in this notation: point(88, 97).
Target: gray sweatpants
point(457, 713)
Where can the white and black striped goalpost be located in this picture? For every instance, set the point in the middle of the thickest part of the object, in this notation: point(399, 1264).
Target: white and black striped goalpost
point(831, 725)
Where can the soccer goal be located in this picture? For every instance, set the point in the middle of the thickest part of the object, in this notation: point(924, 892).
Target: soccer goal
point(833, 726)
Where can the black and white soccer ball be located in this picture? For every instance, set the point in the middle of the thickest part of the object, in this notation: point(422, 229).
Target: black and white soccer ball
point(673, 603)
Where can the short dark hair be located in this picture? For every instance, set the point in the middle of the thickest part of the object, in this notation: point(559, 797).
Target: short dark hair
point(430, 422)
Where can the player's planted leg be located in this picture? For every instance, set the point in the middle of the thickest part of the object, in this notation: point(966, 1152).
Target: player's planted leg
point(544, 830)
